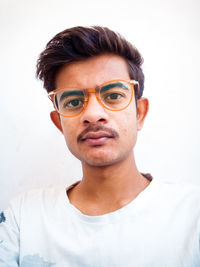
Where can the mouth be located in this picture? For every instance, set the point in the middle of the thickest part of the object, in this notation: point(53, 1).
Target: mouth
point(96, 138)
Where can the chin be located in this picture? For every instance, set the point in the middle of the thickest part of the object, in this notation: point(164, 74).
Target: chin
point(97, 159)
point(98, 163)
point(101, 157)
point(103, 161)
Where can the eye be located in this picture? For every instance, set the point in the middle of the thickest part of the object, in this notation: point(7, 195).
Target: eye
point(113, 96)
point(74, 103)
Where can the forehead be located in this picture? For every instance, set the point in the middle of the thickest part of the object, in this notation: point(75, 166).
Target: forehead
point(92, 72)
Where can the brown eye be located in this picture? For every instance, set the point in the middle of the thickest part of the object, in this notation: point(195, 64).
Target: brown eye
point(74, 103)
point(114, 96)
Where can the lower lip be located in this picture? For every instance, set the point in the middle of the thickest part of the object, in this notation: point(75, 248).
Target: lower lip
point(97, 141)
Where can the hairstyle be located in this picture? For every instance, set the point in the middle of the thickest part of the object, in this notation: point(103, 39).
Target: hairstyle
point(80, 43)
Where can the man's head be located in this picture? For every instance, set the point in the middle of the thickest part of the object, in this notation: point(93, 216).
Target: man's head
point(81, 43)
point(85, 58)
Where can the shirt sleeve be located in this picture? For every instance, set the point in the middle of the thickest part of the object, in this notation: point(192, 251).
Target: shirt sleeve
point(9, 239)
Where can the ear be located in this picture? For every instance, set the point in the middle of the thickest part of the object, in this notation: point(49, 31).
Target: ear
point(142, 110)
point(55, 117)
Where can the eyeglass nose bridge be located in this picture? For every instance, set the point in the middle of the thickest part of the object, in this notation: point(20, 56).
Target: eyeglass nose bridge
point(89, 91)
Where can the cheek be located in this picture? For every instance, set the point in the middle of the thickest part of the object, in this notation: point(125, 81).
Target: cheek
point(128, 127)
point(129, 123)
point(68, 131)
point(125, 131)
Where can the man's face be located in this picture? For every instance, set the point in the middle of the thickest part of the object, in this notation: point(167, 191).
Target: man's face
point(97, 136)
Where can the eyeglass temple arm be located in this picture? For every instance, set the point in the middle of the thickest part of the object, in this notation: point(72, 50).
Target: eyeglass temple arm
point(50, 95)
point(133, 82)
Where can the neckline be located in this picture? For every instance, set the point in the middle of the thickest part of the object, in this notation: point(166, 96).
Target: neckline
point(136, 204)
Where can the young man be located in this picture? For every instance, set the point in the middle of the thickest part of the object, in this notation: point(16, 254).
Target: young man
point(115, 215)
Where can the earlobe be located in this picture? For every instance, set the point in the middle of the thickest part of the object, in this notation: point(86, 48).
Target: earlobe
point(56, 120)
point(142, 110)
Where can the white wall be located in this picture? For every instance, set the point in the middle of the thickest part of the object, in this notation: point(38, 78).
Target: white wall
point(33, 152)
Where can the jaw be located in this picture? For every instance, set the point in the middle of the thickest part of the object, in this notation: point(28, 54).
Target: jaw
point(103, 156)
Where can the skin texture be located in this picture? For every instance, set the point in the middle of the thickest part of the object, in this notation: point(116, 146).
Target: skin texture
point(110, 176)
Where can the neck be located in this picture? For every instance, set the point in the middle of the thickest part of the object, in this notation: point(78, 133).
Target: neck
point(119, 182)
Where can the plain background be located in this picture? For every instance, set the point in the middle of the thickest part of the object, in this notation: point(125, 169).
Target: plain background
point(33, 153)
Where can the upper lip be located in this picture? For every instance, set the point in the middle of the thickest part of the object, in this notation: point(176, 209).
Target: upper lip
point(95, 135)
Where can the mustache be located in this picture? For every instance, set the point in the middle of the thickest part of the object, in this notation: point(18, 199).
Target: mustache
point(96, 128)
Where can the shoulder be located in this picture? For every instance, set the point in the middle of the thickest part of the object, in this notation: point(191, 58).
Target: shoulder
point(36, 201)
point(179, 195)
point(42, 195)
point(179, 189)
point(38, 195)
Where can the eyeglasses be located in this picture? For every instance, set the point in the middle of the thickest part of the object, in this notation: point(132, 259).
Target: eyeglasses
point(113, 95)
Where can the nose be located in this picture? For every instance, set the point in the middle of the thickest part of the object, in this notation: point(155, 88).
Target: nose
point(94, 112)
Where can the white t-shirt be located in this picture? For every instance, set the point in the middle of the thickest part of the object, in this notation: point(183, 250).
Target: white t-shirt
point(159, 228)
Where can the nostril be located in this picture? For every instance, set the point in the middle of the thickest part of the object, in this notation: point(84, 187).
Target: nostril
point(86, 122)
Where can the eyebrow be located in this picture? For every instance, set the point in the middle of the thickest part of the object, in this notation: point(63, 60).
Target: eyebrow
point(111, 85)
point(71, 93)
